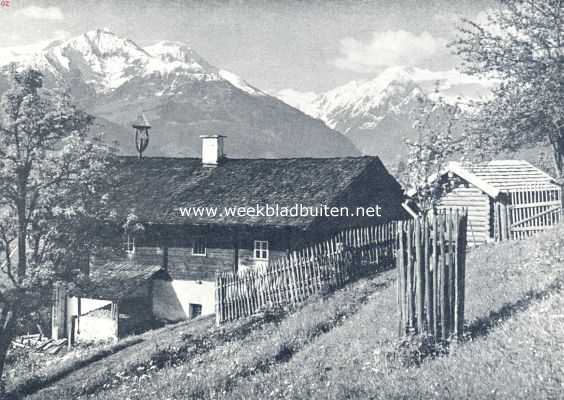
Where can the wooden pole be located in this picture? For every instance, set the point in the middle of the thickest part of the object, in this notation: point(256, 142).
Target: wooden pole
point(451, 277)
point(443, 278)
point(410, 278)
point(435, 264)
point(419, 273)
point(401, 280)
point(461, 273)
point(427, 272)
point(115, 318)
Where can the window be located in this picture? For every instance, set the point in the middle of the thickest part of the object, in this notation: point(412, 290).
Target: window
point(129, 245)
point(195, 310)
point(261, 250)
point(199, 247)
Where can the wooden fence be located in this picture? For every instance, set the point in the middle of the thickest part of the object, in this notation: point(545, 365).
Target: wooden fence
point(290, 280)
point(533, 209)
point(527, 211)
point(431, 267)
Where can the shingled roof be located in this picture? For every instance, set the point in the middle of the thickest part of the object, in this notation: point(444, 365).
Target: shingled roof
point(114, 281)
point(156, 187)
point(509, 174)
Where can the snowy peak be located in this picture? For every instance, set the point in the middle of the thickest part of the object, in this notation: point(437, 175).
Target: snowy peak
point(170, 56)
point(105, 61)
point(377, 114)
point(105, 44)
point(369, 100)
point(389, 92)
point(171, 51)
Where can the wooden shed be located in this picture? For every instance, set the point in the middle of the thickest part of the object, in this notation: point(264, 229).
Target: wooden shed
point(506, 199)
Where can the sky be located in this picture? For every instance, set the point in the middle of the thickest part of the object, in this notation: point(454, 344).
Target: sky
point(274, 45)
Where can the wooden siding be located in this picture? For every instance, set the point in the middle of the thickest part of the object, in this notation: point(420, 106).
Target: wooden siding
point(181, 264)
point(478, 206)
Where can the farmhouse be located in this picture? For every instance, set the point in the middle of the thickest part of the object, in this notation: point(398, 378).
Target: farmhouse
point(506, 199)
point(169, 266)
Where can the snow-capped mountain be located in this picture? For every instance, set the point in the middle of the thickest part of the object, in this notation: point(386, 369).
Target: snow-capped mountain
point(375, 114)
point(107, 61)
point(182, 94)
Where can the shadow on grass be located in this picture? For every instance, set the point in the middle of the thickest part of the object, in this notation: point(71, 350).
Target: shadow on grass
point(484, 325)
point(167, 356)
point(411, 351)
point(36, 383)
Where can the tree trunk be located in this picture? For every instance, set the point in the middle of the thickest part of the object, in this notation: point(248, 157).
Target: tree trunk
point(7, 332)
point(557, 150)
point(22, 239)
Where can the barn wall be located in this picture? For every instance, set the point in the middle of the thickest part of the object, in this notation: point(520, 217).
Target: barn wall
point(478, 205)
point(172, 299)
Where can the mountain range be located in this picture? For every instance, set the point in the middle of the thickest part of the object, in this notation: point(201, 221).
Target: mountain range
point(377, 114)
point(181, 94)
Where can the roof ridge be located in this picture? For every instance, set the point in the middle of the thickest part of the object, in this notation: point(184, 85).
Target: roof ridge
point(368, 157)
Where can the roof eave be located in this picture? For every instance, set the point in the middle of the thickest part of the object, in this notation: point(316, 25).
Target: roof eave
point(456, 168)
point(468, 176)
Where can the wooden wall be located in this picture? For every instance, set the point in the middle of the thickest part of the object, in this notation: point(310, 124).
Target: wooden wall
point(479, 210)
point(181, 264)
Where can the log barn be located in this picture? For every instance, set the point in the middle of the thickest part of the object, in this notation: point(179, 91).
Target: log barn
point(506, 199)
point(188, 250)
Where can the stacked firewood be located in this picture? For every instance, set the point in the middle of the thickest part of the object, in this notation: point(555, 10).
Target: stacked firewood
point(39, 343)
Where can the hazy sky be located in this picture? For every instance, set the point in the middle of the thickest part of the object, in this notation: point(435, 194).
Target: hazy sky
point(304, 45)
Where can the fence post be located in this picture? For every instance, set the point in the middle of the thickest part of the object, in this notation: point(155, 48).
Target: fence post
point(443, 271)
point(420, 272)
point(59, 311)
point(428, 275)
point(401, 280)
point(217, 300)
point(435, 266)
point(451, 273)
point(461, 271)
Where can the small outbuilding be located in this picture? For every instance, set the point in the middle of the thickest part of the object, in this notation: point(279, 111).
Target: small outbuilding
point(114, 301)
point(505, 199)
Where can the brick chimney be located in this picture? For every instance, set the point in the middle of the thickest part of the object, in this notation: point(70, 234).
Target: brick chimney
point(212, 149)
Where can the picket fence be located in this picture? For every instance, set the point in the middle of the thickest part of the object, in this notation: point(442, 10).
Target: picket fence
point(430, 261)
point(324, 266)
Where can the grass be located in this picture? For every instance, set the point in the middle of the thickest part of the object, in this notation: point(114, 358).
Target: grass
point(344, 345)
point(506, 288)
point(219, 371)
point(308, 356)
point(97, 366)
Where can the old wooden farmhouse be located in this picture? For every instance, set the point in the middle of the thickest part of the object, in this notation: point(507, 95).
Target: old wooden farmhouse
point(167, 270)
point(506, 199)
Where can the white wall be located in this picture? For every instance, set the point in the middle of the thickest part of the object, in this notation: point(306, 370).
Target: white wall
point(86, 305)
point(171, 299)
point(95, 328)
point(91, 327)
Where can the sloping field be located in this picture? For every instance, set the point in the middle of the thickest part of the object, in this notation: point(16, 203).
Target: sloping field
point(344, 345)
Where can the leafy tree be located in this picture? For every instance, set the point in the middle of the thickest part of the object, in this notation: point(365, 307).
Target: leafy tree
point(53, 187)
point(522, 45)
point(438, 124)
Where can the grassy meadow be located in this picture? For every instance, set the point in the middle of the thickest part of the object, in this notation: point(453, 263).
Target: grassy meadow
point(344, 345)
